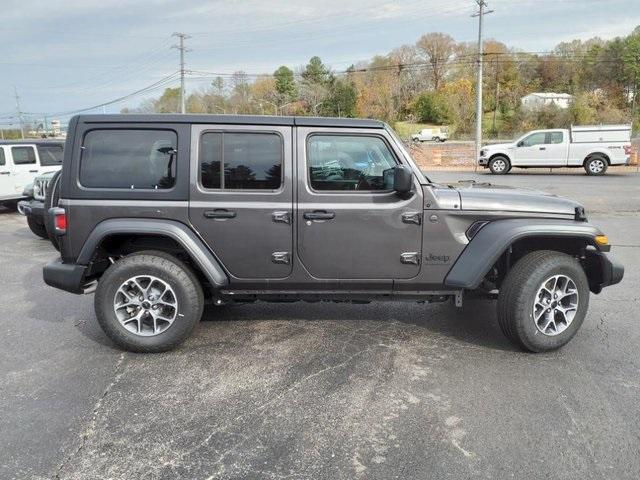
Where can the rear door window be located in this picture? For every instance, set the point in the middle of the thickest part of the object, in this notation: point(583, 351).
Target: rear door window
point(23, 155)
point(241, 161)
point(50, 155)
point(132, 159)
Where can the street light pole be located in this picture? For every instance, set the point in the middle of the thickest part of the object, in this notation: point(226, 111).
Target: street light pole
point(480, 14)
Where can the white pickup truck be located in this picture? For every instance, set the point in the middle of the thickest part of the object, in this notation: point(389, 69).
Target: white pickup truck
point(595, 148)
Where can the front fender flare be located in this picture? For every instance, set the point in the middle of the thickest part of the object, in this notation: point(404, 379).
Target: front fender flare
point(484, 250)
point(177, 231)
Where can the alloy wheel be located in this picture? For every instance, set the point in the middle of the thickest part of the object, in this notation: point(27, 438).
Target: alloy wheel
point(555, 305)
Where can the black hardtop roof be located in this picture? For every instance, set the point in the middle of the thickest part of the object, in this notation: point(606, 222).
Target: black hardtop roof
point(232, 119)
point(33, 141)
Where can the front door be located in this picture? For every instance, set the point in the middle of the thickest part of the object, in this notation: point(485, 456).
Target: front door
point(241, 198)
point(350, 224)
point(6, 180)
point(25, 166)
point(531, 151)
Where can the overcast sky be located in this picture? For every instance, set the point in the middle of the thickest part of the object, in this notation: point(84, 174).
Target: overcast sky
point(70, 54)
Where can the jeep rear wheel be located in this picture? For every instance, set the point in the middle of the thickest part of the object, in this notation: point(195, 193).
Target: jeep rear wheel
point(148, 302)
point(543, 301)
point(499, 165)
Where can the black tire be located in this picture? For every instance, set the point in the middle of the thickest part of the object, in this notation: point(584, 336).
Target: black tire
point(596, 165)
point(37, 227)
point(499, 165)
point(436, 139)
point(51, 197)
point(167, 268)
point(518, 295)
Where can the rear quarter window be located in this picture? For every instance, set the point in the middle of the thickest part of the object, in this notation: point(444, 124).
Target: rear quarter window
point(129, 159)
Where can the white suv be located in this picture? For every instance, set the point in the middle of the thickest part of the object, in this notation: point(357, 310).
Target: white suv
point(21, 162)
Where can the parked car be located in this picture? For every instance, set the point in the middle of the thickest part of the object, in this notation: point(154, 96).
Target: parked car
point(39, 199)
point(21, 162)
point(594, 148)
point(159, 213)
point(440, 134)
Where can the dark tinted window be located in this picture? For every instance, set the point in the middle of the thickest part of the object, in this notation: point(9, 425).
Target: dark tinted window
point(349, 163)
point(2, 160)
point(23, 155)
point(250, 161)
point(211, 160)
point(50, 155)
point(134, 159)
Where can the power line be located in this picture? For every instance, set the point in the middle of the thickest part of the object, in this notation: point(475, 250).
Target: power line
point(182, 37)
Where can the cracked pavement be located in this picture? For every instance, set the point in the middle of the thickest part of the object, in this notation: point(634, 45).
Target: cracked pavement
point(309, 391)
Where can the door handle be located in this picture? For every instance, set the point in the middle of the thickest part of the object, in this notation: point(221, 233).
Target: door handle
point(319, 215)
point(219, 213)
point(543, 148)
point(33, 171)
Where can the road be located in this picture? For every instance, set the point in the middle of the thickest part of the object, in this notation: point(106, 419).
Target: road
point(309, 391)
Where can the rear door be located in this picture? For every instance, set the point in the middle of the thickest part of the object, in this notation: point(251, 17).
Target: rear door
point(556, 148)
point(25, 166)
point(531, 151)
point(6, 180)
point(241, 199)
point(350, 224)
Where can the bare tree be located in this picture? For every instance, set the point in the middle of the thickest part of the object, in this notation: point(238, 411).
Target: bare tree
point(437, 49)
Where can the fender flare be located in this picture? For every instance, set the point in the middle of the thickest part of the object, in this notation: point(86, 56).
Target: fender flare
point(177, 231)
point(486, 247)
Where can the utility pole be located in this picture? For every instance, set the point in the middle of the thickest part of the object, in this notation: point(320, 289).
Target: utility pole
point(480, 14)
point(497, 97)
point(15, 91)
point(182, 37)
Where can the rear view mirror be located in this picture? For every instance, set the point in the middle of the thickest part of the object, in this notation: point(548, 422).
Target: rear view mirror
point(402, 179)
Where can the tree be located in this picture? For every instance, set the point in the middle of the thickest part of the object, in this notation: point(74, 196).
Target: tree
point(437, 49)
point(316, 72)
point(431, 107)
point(285, 83)
point(341, 101)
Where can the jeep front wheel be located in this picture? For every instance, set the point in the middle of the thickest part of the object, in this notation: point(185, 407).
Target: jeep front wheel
point(499, 165)
point(148, 302)
point(543, 301)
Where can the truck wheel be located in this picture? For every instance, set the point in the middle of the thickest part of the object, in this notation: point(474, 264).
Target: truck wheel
point(37, 227)
point(148, 302)
point(596, 165)
point(51, 197)
point(436, 139)
point(543, 301)
point(499, 165)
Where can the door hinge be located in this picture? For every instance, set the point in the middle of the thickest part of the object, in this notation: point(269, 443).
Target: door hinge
point(412, 217)
point(410, 258)
point(281, 257)
point(281, 217)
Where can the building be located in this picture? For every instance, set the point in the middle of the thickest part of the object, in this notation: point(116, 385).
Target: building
point(537, 100)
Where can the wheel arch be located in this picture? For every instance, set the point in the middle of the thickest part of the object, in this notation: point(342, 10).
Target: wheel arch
point(499, 244)
point(127, 235)
point(596, 153)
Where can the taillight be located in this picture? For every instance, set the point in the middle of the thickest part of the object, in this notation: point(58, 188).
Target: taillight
point(59, 220)
point(627, 149)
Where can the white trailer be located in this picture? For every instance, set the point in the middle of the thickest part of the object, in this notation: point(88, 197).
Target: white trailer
point(592, 147)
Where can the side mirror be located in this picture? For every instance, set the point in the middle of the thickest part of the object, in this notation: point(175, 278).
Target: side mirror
point(520, 143)
point(402, 179)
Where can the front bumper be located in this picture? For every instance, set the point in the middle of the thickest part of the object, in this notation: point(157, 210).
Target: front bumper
point(33, 208)
point(612, 272)
point(483, 161)
point(65, 276)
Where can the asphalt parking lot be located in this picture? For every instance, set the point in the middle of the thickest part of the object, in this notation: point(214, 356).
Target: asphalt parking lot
point(310, 391)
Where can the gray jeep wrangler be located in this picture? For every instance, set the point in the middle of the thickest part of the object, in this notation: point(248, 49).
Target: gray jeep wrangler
point(161, 213)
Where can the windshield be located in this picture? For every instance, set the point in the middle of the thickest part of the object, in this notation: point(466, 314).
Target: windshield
point(400, 144)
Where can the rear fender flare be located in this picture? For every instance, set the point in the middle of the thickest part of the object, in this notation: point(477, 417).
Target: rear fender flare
point(177, 231)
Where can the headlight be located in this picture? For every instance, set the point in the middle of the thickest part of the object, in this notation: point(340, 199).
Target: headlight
point(482, 152)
